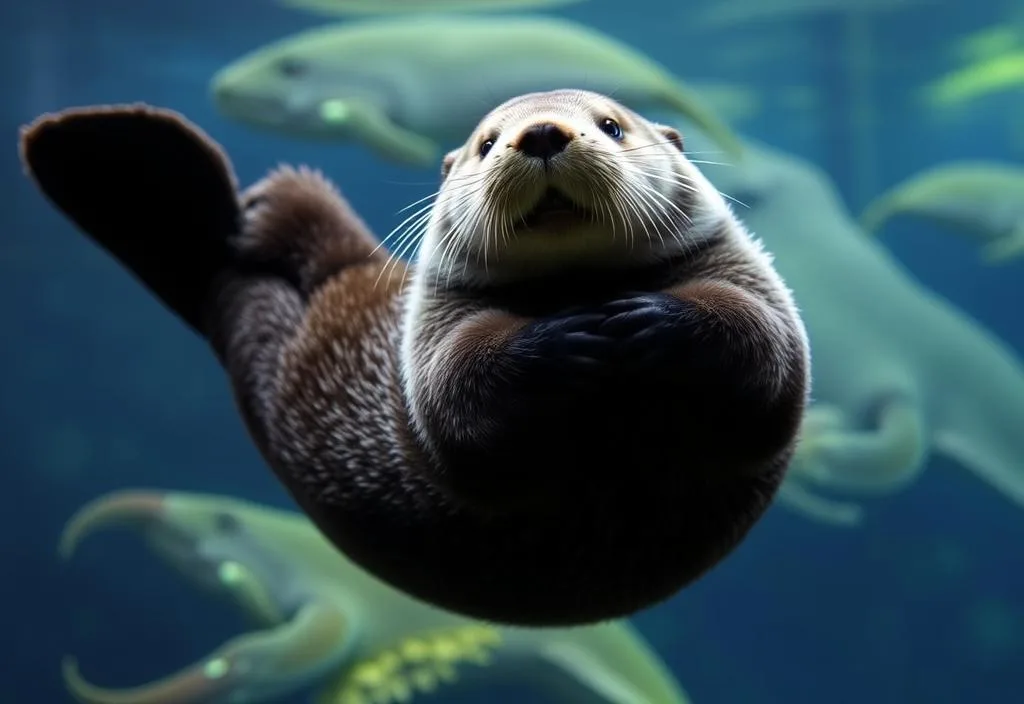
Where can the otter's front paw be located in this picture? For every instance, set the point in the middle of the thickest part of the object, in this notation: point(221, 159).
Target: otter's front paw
point(567, 347)
point(647, 327)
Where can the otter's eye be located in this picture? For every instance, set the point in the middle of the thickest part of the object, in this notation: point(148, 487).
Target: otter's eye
point(292, 68)
point(611, 128)
point(485, 147)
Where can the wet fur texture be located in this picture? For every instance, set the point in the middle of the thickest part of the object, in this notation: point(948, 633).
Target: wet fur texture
point(578, 446)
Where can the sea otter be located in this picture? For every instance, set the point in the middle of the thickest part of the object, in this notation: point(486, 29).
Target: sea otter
point(583, 396)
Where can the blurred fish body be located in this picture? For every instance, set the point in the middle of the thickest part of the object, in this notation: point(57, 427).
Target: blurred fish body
point(408, 87)
point(984, 200)
point(900, 373)
point(394, 7)
point(325, 626)
point(993, 75)
point(735, 13)
point(989, 43)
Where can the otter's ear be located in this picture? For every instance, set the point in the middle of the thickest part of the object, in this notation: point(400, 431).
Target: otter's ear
point(447, 163)
point(671, 134)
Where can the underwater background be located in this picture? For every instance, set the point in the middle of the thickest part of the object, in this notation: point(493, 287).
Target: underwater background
point(102, 389)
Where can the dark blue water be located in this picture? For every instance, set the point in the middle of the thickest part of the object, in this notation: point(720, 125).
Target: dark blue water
point(100, 388)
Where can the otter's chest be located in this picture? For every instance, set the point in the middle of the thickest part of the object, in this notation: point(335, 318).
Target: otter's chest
point(547, 295)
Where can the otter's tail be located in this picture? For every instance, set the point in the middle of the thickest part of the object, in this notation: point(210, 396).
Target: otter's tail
point(149, 187)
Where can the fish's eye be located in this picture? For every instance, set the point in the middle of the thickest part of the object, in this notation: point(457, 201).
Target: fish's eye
point(226, 523)
point(611, 128)
point(292, 68)
point(485, 146)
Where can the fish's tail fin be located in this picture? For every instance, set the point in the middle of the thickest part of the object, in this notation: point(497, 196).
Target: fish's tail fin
point(691, 106)
point(980, 426)
point(608, 662)
point(146, 185)
point(877, 213)
point(1005, 248)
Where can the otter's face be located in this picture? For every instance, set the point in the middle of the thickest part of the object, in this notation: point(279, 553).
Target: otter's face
point(553, 178)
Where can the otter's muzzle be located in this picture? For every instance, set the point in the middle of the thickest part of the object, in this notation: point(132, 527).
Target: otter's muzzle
point(543, 141)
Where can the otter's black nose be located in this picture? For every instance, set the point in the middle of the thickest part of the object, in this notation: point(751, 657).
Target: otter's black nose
point(543, 141)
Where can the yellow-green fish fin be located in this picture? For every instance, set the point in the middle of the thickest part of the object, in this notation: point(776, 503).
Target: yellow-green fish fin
point(419, 663)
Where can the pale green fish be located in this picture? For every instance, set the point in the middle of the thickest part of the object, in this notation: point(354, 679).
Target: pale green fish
point(989, 42)
point(997, 74)
point(734, 13)
point(326, 625)
point(732, 102)
point(391, 7)
point(409, 87)
point(899, 372)
point(983, 200)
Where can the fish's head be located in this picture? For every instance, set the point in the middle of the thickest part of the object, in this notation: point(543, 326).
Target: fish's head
point(217, 544)
point(227, 546)
point(289, 89)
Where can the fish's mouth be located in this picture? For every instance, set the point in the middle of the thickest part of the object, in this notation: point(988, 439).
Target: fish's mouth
point(228, 670)
point(247, 107)
point(555, 207)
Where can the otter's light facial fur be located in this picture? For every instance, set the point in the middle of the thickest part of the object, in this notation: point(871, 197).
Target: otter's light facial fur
point(622, 196)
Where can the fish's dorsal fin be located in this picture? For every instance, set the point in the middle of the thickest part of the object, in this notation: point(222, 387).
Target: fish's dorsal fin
point(800, 499)
point(419, 663)
point(1006, 248)
point(985, 462)
point(375, 130)
point(592, 673)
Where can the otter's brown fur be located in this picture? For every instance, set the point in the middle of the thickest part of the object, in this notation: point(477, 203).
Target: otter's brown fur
point(637, 500)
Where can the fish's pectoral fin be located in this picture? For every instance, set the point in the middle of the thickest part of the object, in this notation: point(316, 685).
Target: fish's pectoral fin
point(879, 459)
point(139, 509)
point(593, 674)
point(1007, 479)
point(146, 185)
point(796, 497)
point(250, 667)
point(420, 663)
point(372, 126)
point(1005, 248)
point(820, 422)
point(979, 416)
point(877, 214)
point(690, 105)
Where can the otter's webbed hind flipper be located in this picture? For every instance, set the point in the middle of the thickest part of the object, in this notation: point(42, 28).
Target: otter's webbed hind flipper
point(149, 187)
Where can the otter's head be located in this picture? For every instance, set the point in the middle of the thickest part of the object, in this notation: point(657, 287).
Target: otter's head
point(566, 177)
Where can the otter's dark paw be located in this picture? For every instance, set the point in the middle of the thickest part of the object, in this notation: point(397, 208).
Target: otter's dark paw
point(567, 344)
point(647, 327)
